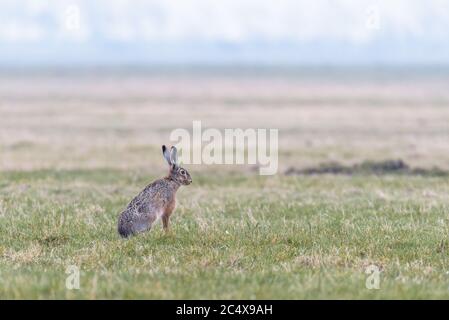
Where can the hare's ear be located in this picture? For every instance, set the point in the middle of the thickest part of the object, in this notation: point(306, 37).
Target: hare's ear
point(166, 155)
point(174, 156)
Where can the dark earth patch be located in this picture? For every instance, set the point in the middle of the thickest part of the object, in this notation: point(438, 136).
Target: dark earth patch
point(368, 167)
point(54, 240)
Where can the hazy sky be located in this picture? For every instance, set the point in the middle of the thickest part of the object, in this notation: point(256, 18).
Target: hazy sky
point(224, 31)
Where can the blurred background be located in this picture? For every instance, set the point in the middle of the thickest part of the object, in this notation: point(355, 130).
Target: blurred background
point(101, 84)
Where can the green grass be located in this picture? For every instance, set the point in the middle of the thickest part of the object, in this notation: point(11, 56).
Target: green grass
point(233, 236)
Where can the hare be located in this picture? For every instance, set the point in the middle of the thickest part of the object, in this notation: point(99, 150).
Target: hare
point(157, 200)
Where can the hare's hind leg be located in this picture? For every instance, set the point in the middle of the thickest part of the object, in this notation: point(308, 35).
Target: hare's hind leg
point(143, 224)
point(141, 227)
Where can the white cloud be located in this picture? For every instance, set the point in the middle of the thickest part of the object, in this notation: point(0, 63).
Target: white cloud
point(17, 31)
point(230, 20)
point(238, 22)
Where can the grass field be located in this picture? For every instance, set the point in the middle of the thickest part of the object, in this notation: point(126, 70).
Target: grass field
point(76, 149)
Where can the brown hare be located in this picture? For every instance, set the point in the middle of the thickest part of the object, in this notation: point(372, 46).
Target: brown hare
point(157, 200)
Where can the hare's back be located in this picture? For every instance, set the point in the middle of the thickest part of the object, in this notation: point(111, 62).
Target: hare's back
point(152, 198)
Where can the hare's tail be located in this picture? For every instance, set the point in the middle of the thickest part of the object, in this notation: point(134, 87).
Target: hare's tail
point(123, 231)
point(123, 228)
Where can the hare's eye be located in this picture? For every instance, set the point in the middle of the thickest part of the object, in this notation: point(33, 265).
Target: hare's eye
point(182, 172)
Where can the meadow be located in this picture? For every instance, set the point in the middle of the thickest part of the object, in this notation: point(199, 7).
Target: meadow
point(76, 147)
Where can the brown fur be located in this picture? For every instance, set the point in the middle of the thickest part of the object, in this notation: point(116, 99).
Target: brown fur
point(158, 199)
